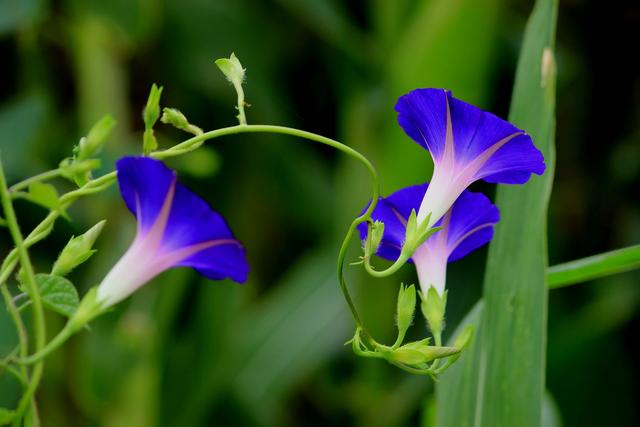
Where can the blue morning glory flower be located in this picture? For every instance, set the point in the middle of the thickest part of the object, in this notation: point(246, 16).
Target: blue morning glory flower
point(467, 144)
point(176, 228)
point(467, 226)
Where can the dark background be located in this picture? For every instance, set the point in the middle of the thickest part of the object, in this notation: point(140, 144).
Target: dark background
point(185, 351)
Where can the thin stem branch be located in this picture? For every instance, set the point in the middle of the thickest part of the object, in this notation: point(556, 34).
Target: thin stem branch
point(23, 340)
point(44, 176)
point(32, 289)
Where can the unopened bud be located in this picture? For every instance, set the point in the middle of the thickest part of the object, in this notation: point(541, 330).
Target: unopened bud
point(406, 308)
point(77, 251)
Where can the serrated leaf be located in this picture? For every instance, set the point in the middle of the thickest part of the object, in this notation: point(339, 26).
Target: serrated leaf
point(43, 194)
point(58, 294)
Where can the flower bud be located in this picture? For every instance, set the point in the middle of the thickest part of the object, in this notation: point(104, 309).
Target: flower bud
point(95, 139)
point(77, 251)
point(374, 237)
point(406, 308)
point(152, 109)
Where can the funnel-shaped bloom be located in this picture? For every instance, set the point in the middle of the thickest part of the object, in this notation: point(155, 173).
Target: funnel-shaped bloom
point(467, 144)
point(175, 228)
point(465, 227)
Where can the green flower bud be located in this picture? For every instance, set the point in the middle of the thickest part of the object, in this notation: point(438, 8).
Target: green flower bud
point(461, 342)
point(419, 352)
point(152, 109)
point(406, 308)
point(77, 251)
point(91, 144)
point(374, 237)
point(175, 118)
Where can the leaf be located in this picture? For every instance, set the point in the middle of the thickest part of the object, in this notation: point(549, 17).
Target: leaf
point(456, 392)
point(593, 267)
point(58, 294)
point(43, 194)
point(509, 353)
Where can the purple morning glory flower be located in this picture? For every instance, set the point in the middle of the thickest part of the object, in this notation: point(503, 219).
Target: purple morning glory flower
point(176, 228)
point(467, 144)
point(467, 226)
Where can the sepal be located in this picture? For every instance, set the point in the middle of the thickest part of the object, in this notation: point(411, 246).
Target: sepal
point(88, 309)
point(433, 308)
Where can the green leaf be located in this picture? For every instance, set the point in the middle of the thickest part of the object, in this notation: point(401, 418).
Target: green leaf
point(6, 416)
point(456, 392)
point(510, 374)
point(593, 267)
point(58, 294)
point(232, 69)
point(43, 194)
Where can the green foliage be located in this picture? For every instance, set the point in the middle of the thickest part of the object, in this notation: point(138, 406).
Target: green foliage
point(593, 267)
point(44, 195)
point(58, 294)
point(511, 372)
point(197, 354)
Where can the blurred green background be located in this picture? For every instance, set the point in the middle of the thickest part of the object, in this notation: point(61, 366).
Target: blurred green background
point(188, 352)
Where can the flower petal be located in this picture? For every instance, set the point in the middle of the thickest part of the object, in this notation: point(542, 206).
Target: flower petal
point(422, 114)
point(470, 226)
point(194, 235)
point(470, 222)
point(220, 262)
point(193, 222)
point(513, 163)
point(499, 151)
point(144, 184)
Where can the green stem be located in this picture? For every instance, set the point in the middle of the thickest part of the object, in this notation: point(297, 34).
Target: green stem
point(32, 289)
point(19, 375)
point(23, 341)
point(62, 336)
point(240, 91)
point(44, 176)
point(402, 260)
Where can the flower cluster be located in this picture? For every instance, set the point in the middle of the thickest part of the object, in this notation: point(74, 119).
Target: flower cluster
point(466, 144)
